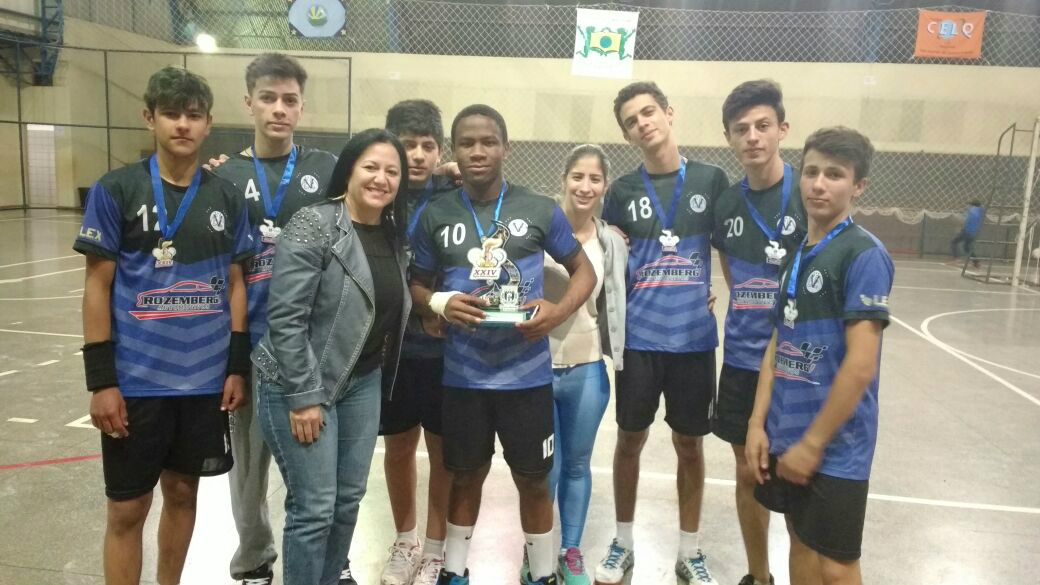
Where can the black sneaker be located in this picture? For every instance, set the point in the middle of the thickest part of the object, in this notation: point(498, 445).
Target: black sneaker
point(750, 580)
point(263, 575)
point(449, 578)
point(345, 577)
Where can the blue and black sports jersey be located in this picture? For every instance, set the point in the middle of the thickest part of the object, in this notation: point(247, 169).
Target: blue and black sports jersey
point(493, 358)
point(171, 326)
point(749, 320)
point(668, 292)
point(307, 186)
point(850, 279)
point(416, 344)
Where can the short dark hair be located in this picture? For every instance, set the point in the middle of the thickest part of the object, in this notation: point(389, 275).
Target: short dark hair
point(480, 110)
point(843, 144)
point(275, 65)
point(760, 92)
point(584, 150)
point(417, 117)
point(177, 88)
point(634, 89)
point(394, 215)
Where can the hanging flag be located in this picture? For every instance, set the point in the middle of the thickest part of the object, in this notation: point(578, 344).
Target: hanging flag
point(604, 43)
point(950, 35)
point(318, 18)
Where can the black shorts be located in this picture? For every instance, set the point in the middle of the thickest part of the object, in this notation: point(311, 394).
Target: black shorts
point(185, 434)
point(827, 515)
point(734, 403)
point(523, 420)
point(417, 398)
point(687, 381)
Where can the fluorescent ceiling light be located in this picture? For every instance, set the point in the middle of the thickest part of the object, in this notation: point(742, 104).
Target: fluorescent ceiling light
point(206, 43)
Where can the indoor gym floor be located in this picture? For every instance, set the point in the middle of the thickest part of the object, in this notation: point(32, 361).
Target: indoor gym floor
point(954, 483)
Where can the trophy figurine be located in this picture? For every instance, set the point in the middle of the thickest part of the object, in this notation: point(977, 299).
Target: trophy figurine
point(489, 261)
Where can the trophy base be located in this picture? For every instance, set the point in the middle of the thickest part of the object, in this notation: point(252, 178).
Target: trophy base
point(496, 318)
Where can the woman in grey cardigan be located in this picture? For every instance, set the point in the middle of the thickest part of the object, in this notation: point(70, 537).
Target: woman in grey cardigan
point(581, 389)
point(337, 310)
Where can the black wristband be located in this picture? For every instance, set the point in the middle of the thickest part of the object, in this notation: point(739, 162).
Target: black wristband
point(99, 364)
point(238, 354)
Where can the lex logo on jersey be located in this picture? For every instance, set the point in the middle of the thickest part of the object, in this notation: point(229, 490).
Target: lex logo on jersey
point(90, 234)
point(698, 203)
point(874, 301)
point(309, 183)
point(789, 225)
point(814, 283)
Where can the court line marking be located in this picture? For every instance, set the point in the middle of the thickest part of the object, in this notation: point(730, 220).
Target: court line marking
point(81, 423)
point(24, 278)
point(966, 290)
point(40, 218)
point(42, 260)
point(925, 329)
point(46, 363)
point(27, 421)
point(49, 462)
point(670, 477)
point(8, 373)
point(954, 353)
point(40, 298)
point(40, 333)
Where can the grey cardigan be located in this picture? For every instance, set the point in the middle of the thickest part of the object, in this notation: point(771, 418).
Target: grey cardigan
point(611, 303)
point(321, 308)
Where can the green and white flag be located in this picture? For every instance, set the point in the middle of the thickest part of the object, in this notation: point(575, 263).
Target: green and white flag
point(604, 43)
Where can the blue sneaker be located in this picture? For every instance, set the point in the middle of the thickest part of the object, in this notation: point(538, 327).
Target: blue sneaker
point(448, 578)
point(694, 570)
point(612, 568)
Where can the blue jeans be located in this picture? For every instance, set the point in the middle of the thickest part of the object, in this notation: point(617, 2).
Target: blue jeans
point(580, 394)
point(324, 481)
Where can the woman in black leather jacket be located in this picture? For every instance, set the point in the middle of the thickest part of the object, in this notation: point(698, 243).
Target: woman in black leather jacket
point(337, 310)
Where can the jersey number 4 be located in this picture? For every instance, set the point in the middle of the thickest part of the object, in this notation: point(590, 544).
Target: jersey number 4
point(251, 191)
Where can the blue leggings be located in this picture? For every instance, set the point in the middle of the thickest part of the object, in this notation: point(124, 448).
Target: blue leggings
point(580, 394)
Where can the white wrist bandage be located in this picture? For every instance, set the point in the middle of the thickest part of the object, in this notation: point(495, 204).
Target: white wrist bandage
point(439, 300)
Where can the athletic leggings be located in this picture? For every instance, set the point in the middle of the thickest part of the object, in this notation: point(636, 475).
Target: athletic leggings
point(580, 394)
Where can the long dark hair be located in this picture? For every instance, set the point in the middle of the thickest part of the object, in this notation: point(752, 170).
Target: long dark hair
point(395, 214)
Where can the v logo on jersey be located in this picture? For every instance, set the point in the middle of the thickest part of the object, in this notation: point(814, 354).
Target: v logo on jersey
point(814, 283)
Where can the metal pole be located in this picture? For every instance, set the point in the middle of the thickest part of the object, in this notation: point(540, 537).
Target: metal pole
point(21, 139)
point(108, 116)
point(1025, 204)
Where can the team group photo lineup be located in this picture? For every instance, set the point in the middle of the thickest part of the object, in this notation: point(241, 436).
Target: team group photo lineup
point(405, 287)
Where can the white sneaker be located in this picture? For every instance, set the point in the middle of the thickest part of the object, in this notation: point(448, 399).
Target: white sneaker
point(402, 564)
point(429, 570)
point(694, 570)
point(613, 567)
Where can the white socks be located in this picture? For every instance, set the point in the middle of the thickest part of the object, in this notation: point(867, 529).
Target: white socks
point(540, 555)
point(689, 544)
point(624, 534)
point(456, 548)
point(410, 537)
point(433, 549)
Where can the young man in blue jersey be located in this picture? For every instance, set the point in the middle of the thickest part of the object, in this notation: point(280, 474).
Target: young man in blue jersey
point(164, 321)
point(274, 177)
point(812, 433)
point(759, 221)
point(415, 407)
point(966, 238)
point(479, 249)
point(665, 210)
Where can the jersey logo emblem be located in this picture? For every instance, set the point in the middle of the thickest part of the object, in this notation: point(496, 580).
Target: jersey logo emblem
point(671, 270)
point(789, 225)
point(797, 363)
point(309, 183)
point(518, 228)
point(261, 266)
point(698, 203)
point(187, 298)
point(754, 293)
point(814, 283)
point(216, 221)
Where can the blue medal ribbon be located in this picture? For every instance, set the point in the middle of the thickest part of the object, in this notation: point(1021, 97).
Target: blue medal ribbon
point(666, 220)
point(498, 210)
point(785, 199)
point(167, 229)
point(419, 207)
point(271, 206)
point(792, 282)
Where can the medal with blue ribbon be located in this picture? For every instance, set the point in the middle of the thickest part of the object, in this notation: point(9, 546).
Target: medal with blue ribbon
point(774, 253)
point(669, 241)
point(791, 310)
point(487, 260)
point(269, 232)
point(165, 251)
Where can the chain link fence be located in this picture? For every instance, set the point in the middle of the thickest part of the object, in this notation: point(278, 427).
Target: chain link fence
point(929, 163)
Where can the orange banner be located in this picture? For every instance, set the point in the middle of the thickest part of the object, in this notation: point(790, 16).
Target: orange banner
point(950, 35)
